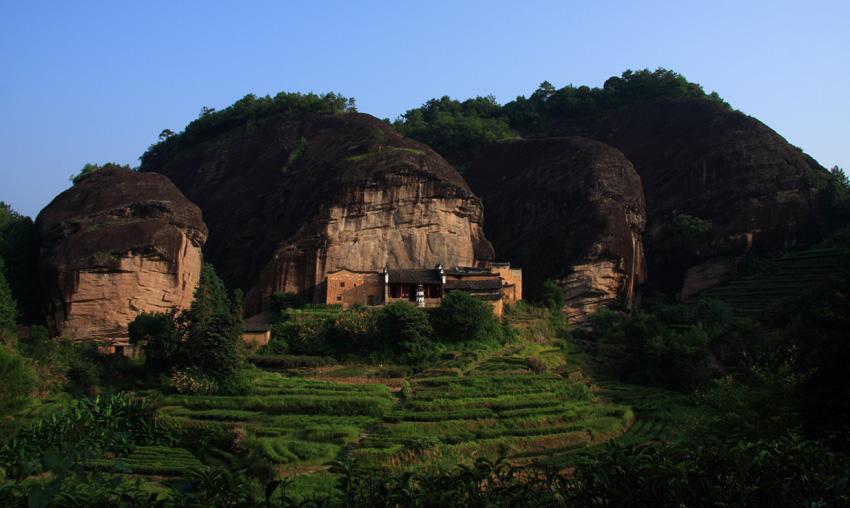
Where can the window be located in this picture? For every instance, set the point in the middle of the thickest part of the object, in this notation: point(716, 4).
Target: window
point(339, 298)
point(342, 284)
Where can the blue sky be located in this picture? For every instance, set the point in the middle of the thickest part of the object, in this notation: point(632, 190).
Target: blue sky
point(96, 82)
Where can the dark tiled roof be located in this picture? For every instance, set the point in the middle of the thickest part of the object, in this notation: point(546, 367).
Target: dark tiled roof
point(353, 271)
point(474, 284)
point(256, 327)
point(416, 276)
point(468, 270)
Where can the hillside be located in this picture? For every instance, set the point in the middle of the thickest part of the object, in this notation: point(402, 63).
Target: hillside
point(735, 185)
point(566, 209)
point(287, 200)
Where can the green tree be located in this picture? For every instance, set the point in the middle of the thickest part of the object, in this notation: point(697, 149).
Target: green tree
point(203, 340)
point(91, 168)
point(552, 295)
point(17, 380)
point(8, 309)
point(17, 237)
point(156, 333)
point(406, 330)
point(462, 317)
point(281, 301)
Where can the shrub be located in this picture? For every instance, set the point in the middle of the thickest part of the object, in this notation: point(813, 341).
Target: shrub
point(17, 380)
point(462, 317)
point(191, 381)
point(552, 295)
point(281, 301)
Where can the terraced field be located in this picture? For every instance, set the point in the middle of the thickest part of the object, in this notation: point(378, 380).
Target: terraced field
point(154, 462)
point(786, 277)
point(286, 423)
point(500, 407)
point(524, 402)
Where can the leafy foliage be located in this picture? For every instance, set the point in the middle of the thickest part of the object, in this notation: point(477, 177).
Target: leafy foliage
point(836, 195)
point(281, 301)
point(449, 126)
point(16, 378)
point(670, 345)
point(452, 127)
point(161, 342)
point(552, 295)
point(247, 112)
point(462, 317)
point(8, 309)
point(201, 343)
point(817, 325)
point(406, 330)
point(91, 168)
point(17, 237)
point(115, 423)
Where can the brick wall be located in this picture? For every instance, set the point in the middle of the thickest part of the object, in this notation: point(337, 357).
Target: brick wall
point(347, 287)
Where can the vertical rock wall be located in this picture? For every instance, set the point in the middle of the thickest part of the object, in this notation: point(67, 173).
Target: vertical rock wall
point(566, 209)
point(355, 195)
point(117, 244)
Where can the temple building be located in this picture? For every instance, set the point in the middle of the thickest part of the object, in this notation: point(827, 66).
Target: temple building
point(496, 284)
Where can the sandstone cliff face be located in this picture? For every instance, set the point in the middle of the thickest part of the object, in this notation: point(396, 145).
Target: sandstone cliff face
point(289, 200)
point(566, 209)
point(751, 189)
point(117, 244)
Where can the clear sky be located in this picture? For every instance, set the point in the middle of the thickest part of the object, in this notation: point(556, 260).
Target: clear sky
point(97, 81)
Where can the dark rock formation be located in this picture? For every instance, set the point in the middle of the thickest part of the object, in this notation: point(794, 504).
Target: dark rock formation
point(567, 209)
point(116, 244)
point(750, 189)
point(287, 201)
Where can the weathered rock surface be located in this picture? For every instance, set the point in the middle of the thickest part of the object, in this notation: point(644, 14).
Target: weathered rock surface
point(117, 244)
point(694, 157)
point(566, 209)
point(359, 196)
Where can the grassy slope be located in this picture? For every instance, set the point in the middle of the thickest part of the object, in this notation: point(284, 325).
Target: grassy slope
point(531, 401)
point(785, 277)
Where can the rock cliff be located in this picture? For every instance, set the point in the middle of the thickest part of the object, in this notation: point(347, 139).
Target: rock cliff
point(566, 209)
point(117, 244)
point(287, 201)
point(736, 186)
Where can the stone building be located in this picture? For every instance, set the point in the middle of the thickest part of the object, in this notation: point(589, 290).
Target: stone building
point(496, 284)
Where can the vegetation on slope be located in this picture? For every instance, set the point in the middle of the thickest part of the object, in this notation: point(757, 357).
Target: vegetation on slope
point(246, 113)
point(452, 127)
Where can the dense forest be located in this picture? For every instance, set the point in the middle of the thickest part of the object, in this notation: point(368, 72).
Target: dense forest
point(453, 128)
point(737, 396)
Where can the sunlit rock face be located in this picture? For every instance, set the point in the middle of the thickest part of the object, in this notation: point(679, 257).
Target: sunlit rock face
point(293, 199)
point(117, 244)
point(567, 209)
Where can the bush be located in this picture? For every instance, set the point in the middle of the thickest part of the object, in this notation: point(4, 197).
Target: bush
point(17, 380)
point(291, 361)
point(281, 301)
point(201, 343)
point(462, 317)
point(552, 295)
point(191, 381)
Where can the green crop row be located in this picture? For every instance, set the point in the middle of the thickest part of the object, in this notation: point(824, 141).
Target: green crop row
point(489, 382)
point(231, 415)
point(291, 361)
point(438, 416)
point(283, 450)
point(338, 404)
point(293, 385)
point(153, 460)
point(297, 404)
